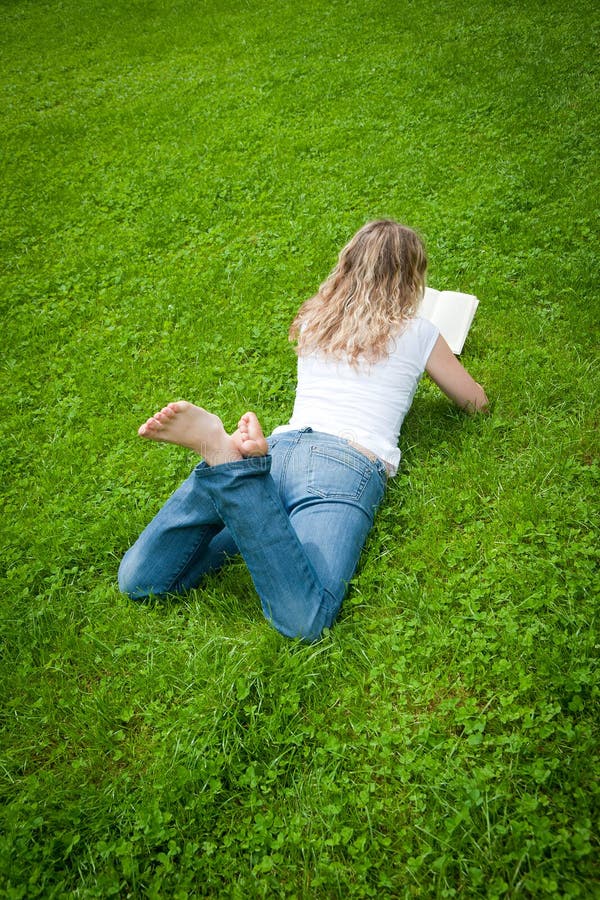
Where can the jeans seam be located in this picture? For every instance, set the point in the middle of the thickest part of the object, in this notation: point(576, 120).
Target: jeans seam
point(286, 459)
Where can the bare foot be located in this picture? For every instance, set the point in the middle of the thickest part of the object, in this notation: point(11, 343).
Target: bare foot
point(249, 438)
point(191, 426)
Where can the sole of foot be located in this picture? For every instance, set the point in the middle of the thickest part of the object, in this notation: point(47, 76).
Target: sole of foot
point(193, 427)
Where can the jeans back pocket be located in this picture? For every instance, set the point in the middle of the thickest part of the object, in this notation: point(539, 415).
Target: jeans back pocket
point(337, 473)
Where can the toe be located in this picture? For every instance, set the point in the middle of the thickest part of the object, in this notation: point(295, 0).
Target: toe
point(148, 427)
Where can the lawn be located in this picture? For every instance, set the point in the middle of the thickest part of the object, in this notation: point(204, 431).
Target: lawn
point(177, 177)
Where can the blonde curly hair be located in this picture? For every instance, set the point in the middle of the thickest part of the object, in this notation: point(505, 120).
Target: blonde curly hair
point(369, 296)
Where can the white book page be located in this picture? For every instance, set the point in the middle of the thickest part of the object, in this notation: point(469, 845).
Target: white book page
point(452, 312)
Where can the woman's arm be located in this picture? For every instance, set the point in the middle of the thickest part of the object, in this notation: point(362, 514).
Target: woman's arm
point(454, 380)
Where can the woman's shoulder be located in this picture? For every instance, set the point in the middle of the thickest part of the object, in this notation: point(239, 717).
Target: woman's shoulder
point(413, 343)
point(421, 325)
point(418, 334)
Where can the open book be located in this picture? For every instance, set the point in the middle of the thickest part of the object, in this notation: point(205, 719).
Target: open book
point(452, 312)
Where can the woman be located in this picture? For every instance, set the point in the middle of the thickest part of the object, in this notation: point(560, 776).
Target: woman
point(299, 506)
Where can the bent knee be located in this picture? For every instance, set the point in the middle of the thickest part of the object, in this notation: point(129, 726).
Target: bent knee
point(305, 629)
point(132, 579)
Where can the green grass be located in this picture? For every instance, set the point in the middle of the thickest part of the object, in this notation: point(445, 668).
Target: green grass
point(177, 178)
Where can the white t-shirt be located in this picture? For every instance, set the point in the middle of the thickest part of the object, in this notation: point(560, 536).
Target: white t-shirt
point(367, 403)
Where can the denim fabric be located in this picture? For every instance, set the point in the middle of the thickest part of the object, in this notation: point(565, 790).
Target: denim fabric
point(299, 517)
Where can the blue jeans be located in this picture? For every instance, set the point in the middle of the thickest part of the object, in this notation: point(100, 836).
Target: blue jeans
point(299, 517)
